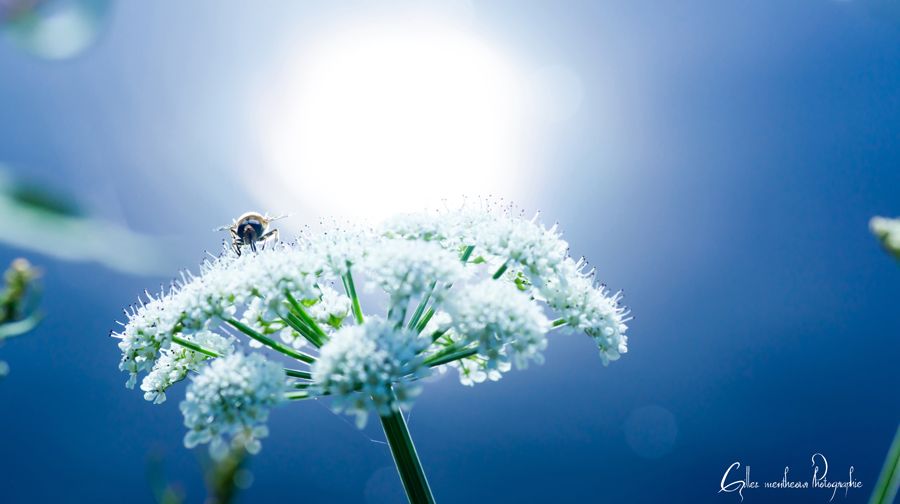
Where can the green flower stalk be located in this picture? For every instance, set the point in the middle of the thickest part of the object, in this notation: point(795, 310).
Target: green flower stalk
point(888, 232)
point(466, 289)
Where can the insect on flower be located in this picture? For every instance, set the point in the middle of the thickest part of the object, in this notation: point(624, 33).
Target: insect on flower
point(249, 229)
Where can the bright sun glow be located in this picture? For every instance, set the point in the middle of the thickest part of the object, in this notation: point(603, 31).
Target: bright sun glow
point(379, 119)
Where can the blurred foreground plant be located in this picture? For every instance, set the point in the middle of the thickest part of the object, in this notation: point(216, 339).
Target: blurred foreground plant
point(50, 222)
point(18, 302)
point(888, 232)
point(225, 474)
point(467, 289)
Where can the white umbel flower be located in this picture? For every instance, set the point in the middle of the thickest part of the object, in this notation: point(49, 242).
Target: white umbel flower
point(231, 398)
point(502, 320)
point(405, 269)
point(225, 286)
point(592, 309)
point(371, 366)
point(498, 236)
point(338, 249)
point(176, 361)
point(539, 252)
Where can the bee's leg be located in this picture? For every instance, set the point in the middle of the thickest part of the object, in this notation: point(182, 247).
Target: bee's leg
point(270, 237)
point(235, 242)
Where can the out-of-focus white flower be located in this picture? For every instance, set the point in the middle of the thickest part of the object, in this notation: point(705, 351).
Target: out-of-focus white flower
point(371, 366)
point(502, 320)
point(175, 362)
point(888, 231)
point(405, 269)
point(230, 399)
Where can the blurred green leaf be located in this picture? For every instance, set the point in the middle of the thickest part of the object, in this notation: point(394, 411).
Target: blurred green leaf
point(52, 224)
point(19, 327)
point(889, 479)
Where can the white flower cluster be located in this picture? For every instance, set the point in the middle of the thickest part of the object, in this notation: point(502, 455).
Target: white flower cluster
point(590, 308)
point(373, 365)
point(536, 259)
point(405, 268)
point(231, 398)
point(503, 320)
point(338, 249)
point(225, 284)
point(467, 289)
point(176, 361)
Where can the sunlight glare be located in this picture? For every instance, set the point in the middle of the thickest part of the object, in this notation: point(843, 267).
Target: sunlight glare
point(384, 118)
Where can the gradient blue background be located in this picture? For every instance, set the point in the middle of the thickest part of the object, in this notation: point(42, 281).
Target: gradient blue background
point(728, 195)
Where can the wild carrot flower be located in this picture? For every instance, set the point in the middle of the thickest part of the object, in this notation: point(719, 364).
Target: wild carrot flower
point(231, 398)
point(479, 290)
point(371, 366)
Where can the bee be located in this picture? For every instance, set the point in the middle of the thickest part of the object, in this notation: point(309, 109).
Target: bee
point(249, 229)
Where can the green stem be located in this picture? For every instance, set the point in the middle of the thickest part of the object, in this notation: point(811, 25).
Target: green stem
point(889, 479)
point(444, 357)
point(425, 319)
point(421, 316)
point(467, 253)
point(296, 396)
point(500, 271)
point(556, 324)
point(193, 346)
point(309, 321)
point(417, 315)
point(351, 292)
point(269, 342)
point(407, 460)
point(436, 335)
point(296, 373)
point(296, 324)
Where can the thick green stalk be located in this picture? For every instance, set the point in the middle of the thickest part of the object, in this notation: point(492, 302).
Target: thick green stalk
point(889, 479)
point(407, 460)
point(269, 342)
